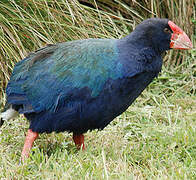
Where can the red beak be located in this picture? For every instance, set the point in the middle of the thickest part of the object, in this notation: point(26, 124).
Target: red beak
point(179, 39)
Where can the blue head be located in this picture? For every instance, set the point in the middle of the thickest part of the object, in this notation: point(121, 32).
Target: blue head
point(160, 35)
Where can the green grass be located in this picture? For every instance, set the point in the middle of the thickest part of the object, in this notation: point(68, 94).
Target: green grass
point(153, 139)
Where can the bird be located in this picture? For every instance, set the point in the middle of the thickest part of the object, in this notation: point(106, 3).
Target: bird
point(82, 85)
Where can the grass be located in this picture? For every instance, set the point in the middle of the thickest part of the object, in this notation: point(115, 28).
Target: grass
point(153, 139)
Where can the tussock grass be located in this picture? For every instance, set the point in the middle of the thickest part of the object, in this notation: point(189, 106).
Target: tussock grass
point(153, 139)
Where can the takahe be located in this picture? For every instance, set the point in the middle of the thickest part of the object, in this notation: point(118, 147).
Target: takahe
point(83, 85)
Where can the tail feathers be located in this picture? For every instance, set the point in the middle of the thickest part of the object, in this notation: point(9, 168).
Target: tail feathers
point(9, 113)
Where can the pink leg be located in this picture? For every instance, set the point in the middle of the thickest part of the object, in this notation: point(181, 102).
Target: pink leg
point(79, 141)
point(30, 138)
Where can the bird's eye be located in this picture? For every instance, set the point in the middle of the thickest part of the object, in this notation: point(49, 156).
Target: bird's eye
point(166, 30)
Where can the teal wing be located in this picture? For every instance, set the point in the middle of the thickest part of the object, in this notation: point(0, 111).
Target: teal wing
point(50, 74)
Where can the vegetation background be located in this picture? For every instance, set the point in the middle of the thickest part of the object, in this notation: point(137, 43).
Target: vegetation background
point(154, 139)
